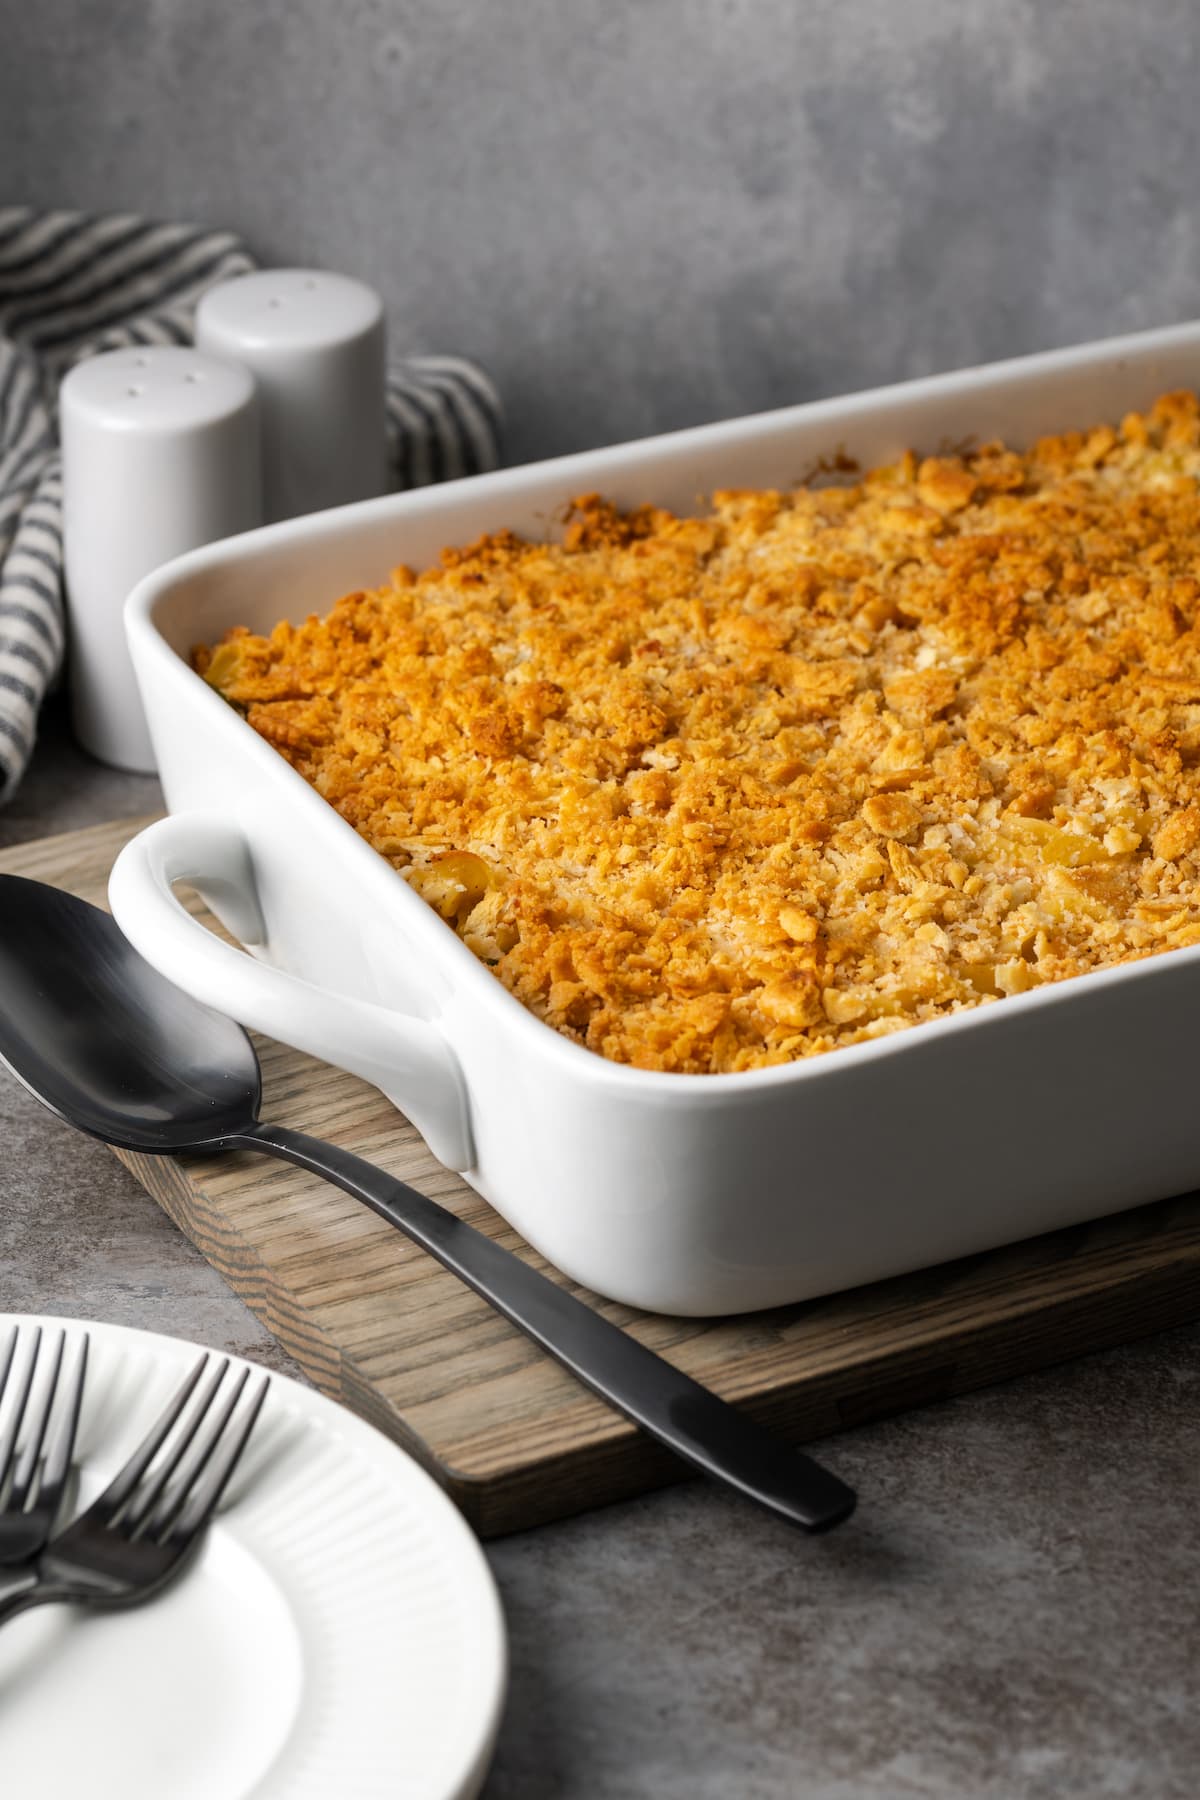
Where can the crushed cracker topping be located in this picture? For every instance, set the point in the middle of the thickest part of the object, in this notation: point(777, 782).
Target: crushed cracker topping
point(722, 792)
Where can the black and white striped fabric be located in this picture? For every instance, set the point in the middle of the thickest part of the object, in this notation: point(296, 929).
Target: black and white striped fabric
point(73, 284)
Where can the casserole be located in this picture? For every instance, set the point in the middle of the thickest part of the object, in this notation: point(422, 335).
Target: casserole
point(694, 1194)
point(715, 793)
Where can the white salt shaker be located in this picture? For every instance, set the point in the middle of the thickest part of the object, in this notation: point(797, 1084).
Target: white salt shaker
point(316, 345)
point(161, 453)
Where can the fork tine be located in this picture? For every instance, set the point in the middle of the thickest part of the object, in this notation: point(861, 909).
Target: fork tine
point(127, 1478)
point(11, 1432)
point(190, 1467)
point(210, 1484)
point(60, 1442)
point(143, 1498)
point(37, 1419)
point(6, 1356)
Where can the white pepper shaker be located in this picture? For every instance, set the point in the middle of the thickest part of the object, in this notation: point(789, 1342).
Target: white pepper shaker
point(161, 453)
point(316, 345)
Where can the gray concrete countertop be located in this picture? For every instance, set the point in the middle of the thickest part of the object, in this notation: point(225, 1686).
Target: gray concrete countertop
point(1013, 1611)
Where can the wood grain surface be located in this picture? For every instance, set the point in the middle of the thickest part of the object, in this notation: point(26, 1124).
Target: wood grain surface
point(378, 1325)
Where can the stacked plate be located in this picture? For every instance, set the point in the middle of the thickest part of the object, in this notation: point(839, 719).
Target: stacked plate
point(338, 1633)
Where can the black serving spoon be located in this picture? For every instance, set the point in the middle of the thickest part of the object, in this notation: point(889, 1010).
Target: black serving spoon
point(112, 1047)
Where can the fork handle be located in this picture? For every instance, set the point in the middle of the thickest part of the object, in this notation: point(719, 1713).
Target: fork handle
point(41, 1592)
point(692, 1421)
point(23, 1599)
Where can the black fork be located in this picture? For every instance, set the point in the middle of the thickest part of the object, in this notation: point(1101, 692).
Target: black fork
point(36, 1437)
point(139, 1532)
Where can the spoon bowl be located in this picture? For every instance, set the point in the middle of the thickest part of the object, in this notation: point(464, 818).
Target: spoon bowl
point(104, 1040)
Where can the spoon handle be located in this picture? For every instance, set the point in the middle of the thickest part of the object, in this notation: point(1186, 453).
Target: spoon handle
point(666, 1403)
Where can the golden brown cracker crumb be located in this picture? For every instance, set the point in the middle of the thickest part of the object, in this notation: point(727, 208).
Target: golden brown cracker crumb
point(722, 792)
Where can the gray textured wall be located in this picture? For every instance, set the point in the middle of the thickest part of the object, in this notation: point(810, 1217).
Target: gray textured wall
point(644, 213)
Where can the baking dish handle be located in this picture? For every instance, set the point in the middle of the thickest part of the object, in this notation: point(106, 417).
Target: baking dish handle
point(407, 1057)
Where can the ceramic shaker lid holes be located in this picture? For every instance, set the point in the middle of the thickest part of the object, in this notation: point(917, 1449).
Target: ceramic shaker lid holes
point(161, 454)
point(316, 345)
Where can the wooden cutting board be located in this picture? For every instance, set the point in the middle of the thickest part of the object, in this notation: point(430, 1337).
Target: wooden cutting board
point(378, 1325)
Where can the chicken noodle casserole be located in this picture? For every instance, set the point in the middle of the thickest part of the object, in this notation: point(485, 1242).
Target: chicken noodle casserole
point(719, 792)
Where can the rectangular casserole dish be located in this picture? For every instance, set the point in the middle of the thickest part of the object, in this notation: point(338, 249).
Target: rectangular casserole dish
point(693, 1194)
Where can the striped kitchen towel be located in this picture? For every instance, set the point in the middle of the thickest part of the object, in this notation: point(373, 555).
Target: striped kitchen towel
point(72, 284)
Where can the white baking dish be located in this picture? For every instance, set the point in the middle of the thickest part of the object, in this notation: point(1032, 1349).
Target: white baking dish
point(682, 1193)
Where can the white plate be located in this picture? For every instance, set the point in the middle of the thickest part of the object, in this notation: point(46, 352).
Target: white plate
point(338, 1634)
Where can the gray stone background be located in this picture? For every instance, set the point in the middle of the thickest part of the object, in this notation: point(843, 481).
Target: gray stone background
point(641, 214)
